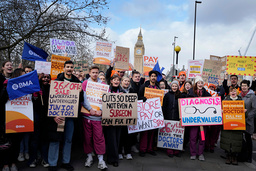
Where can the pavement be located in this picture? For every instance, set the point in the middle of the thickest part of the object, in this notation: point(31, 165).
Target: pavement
point(161, 162)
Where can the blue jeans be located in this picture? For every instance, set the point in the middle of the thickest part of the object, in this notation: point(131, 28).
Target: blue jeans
point(53, 153)
point(24, 144)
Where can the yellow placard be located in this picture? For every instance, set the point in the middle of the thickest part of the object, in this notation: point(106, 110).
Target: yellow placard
point(57, 65)
point(233, 115)
point(241, 65)
point(153, 93)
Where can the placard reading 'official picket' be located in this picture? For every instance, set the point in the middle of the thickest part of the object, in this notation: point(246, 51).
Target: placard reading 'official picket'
point(64, 99)
point(200, 111)
point(171, 136)
point(119, 109)
point(150, 116)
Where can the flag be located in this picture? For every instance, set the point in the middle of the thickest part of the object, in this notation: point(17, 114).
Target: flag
point(157, 68)
point(33, 53)
point(23, 85)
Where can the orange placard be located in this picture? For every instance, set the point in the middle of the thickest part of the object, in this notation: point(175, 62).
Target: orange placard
point(233, 115)
point(57, 65)
point(153, 93)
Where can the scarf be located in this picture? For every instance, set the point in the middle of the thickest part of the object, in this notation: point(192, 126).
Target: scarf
point(200, 93)
point(244, 94)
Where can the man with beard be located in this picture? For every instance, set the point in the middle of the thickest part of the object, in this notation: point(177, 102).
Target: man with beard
point(147, 137)
point(55, 137)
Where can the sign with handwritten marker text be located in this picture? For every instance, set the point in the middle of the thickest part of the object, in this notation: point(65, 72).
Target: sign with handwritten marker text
point(150, 116)
point(119, 109)
point(64, 99)
point(122, 58)
point(200, 111)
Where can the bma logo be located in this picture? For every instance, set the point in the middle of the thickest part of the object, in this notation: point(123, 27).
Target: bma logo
point(33, 53)
point(21, 85)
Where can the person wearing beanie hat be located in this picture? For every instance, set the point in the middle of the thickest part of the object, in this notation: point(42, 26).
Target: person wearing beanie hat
point(212, 87)
point(182, 77)
point(171, 110)
point(197, 90)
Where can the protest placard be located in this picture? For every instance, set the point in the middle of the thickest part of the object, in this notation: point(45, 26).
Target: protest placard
point(233, 115)
point(43, 67)
point(195, 68)
point(94, 93)
point(241, 65)
point(171, 136)
point(148, 63)
point(122, 58)
point(150, 116)
point(19, 115)
point(64, 99)
point(57, 65)
point(119, 109)
point(223, 61)
point(200, 111)
point(102, 54)
point(212, 93)
point(61, 47)
point(211, 71)
point(152, 93)
point(81, 66)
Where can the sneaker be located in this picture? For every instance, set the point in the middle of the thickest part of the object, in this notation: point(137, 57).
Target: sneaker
point(33, 164)
point(6, 169)
point(120, 156)
point(201, 157)
point(67, 166)
point(44, 163)
point(134, 149)
point(21, 157)
point(192, 157)
point(26, 156)
point(152, 153)
point(129, 157)
point(88, 162)
point(14, 168)
point(102, 165)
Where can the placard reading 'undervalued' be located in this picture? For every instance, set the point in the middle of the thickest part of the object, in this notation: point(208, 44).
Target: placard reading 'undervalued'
point(119, 109)
point(200, 111)
point(64, 99)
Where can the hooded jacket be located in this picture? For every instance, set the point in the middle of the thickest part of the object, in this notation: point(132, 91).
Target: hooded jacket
point(250, 105)
point(170, 106)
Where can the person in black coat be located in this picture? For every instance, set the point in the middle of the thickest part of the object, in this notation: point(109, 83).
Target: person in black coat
point(171, 110)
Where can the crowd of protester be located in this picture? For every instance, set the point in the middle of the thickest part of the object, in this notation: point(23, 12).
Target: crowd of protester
point(113, 143)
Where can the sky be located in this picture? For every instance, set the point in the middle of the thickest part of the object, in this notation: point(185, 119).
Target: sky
point(223, 27)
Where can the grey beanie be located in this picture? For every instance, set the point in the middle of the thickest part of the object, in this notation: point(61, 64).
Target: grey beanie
point(175, 82)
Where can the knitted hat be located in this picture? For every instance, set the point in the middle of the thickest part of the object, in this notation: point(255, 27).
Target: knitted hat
point(175, 82)
point(114, 72)
point(182, 73)
point(212, 85)
point(198, 78)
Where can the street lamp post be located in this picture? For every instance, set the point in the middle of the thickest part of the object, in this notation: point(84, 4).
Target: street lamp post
point(177, 50)
point(175, 37)
point(196, 2)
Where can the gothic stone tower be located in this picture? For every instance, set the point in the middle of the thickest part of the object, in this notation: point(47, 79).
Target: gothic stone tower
point(139, 52)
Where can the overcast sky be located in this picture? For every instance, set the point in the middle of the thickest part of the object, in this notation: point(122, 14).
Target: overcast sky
point(223, 27)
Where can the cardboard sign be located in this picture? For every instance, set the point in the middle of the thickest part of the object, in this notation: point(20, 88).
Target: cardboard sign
point(62, 47)
point(81, 66)
point(223, 61)
point(241, 65)
point(19, 115)
point(233, 115)
point(64, 99)
point(148, 63)
point(152, 93)
point(171, 136)
point(57, 65)
point(43, 67)
point(119, 109)
point(195, 68)
point(102, 54)
point(211, 71)
point(150, 116)
point(122, 58)
point(200, 111)
point(94, 92)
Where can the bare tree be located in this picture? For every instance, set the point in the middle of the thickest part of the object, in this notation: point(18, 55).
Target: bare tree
point(38, 20)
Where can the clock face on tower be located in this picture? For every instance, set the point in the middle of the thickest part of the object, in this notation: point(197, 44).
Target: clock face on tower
point(138, 51)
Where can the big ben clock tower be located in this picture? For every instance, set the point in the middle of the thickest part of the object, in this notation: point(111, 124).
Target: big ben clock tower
point(139, 51)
